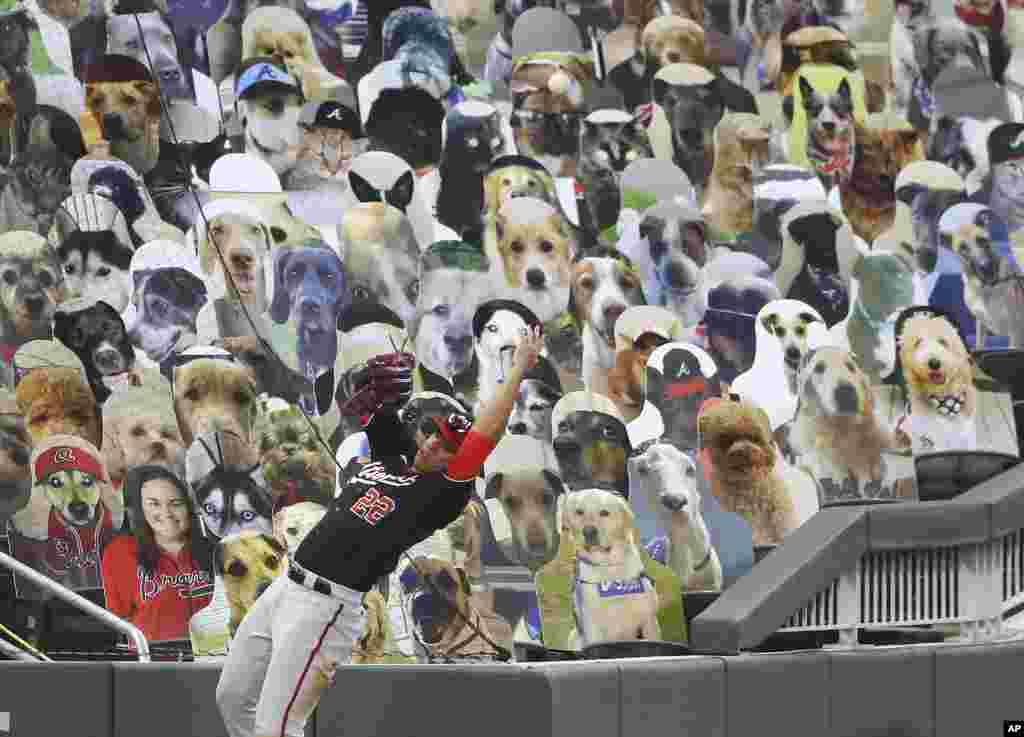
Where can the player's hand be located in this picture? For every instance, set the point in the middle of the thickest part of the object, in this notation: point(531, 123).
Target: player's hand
point(527, 350)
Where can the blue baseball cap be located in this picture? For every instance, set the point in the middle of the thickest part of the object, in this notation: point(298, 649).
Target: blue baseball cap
point(263, 73)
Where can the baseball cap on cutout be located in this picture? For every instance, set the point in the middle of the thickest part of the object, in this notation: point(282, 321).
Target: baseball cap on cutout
point(264, 73)
point(64, 457)
point(330, 114)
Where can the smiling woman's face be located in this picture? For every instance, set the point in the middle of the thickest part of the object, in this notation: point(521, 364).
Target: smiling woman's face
point(165, 511)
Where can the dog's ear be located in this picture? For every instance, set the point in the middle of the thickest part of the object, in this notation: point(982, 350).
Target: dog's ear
point(844, 91)
point(807, 318)
point(218, 558)
point(553, 481)
point(281, 305)
point(659, 88)
point(946, 239)
point(769, 322)
point(909, 138)
point(362, 189)
point(493, 486)
point(499, 227)
point(806, 91)
point(402, 191)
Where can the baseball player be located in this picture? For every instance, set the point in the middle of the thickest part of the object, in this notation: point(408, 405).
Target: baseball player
point(289, 645)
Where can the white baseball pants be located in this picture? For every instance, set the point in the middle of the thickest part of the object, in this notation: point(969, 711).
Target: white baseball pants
point(284, 655)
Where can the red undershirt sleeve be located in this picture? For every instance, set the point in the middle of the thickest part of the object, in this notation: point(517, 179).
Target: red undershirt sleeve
point(467, 463)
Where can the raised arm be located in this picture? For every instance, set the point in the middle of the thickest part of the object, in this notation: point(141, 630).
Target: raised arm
point(493, 418)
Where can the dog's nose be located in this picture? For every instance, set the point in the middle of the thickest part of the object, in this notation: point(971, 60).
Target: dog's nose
point(612, 312)
point(846, 398)
point(34, 304)
point(310, 307)
point(107, 358)
point(590, 535)
point(829, 126)
point(535, 278)
point(458, 343)
point(934, 364)
point(517, 428)
point(678, 276)
point(672, 502)
point(170, 75)
point(566, 446)
point(79, 509)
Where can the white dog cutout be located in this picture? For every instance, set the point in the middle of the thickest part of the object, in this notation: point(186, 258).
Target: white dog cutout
point(613, 597)
point(665, 478)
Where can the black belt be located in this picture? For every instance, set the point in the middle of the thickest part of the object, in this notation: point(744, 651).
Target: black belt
point(310, 581)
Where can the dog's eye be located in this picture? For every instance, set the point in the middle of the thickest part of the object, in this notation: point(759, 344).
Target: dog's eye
point(605, 513)
point(87, 481)
point(608, 431)
point(103, 271)
point(586, 283)
point(10, 277)
point(271, 562)
point(851, 368)
point(800, 331)
point(537, 407)
point(492, 328)
point(820, 368)
point(517, 247)
point(513, 502)
point(547, 247)
point(237, 569)
point(563, 427)
point(412, 291)
point(243, 397)
point(56, 482)
point(690, 471)
point(360, 293)
point(69, 269)
point(943, 342)
point(292, 531)
point(506, 182)
point(472, 143)
point(442, 310)
point(780, 332)
point(138, 431)
point(192, 394)
point(247, 516)
point(579, 511)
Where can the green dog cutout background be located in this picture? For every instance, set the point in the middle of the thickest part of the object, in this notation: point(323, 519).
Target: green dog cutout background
point(615, 604)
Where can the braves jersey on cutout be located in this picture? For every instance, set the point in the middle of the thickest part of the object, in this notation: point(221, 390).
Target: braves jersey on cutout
point(385, 507)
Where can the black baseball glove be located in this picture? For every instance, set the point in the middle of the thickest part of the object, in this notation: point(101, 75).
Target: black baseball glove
point(384, 380)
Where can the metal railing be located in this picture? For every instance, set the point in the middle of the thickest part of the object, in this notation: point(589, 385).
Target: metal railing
point(81, 603)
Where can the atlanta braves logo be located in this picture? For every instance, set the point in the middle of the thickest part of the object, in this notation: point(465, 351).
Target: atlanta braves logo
point(64, 455)
point(373, 506)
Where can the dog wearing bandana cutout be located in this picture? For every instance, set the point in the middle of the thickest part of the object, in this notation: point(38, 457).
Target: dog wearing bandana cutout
point(938, 376)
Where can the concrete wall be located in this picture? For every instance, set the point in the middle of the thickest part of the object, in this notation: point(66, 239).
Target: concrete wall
point(922, 691)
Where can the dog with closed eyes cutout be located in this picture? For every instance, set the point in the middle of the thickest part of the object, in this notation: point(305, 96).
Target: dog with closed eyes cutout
point(310, 292)
point(604, 285)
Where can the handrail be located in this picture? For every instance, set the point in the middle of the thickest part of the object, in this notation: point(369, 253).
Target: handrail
point(17, 653)
point(81, 603)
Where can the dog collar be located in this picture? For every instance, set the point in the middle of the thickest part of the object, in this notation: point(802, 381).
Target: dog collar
point(833, 164)
point(948, 405)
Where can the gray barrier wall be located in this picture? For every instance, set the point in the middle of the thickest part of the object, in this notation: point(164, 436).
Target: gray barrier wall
point(921, 691)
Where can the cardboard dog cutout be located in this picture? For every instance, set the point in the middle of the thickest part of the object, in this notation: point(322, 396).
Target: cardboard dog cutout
point(294, 464)
point(825, 93)
point(942, 401)
point(639, 331)
point(168, 292)
point(778, 188)
point(549, 104)
point(924, 190)
point(840, 437)
point(590, 442)
point(454, 282)
point(68, 479)
point(120, 184)
point(96, 333)
point(786, 330)
point(230, 492)
point(311, 292)
point(818, 253)
point(33, 286)
point(629, 597)
point(15, 471)
point(991, 273)
point(380, 176)
point(678, 378)
point(884, 287)
point(729, 322)
point(510, 530)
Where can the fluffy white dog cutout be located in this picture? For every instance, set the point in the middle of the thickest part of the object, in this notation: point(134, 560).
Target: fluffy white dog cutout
point(613, 598)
